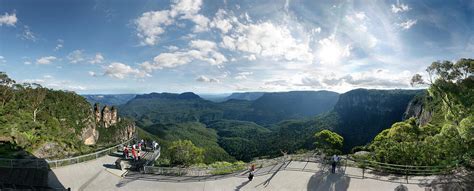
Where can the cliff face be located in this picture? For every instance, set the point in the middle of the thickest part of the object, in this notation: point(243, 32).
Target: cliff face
point(365, 113)
point(418, 109)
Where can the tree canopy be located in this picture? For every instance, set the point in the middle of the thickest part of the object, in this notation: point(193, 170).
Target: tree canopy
point(183, 152)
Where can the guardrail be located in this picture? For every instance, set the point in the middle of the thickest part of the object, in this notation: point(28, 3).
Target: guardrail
point(402, 169)
point(193, 171)
point(44, 163)
point(86, 157)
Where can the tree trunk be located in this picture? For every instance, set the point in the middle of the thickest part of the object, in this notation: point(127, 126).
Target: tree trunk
point(34, 115)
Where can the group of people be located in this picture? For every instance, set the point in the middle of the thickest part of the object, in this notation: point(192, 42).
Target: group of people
point(136, 148)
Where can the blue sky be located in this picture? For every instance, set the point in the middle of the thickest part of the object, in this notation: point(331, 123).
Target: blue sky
point(229, 46)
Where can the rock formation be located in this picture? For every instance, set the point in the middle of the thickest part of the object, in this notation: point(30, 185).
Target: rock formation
point(90, 135)
point(418, 109)
point(97, 112)
point(108, 116)
point(113, 119)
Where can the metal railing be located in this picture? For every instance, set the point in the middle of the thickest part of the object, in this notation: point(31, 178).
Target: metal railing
point(45, 163)
point(86, 157)
point(407, 170)
point(193, 171)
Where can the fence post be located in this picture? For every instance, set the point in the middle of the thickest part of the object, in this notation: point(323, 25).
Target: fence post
point(11, 163)
point(406, 173)
point(345, 166)
point(363, 169)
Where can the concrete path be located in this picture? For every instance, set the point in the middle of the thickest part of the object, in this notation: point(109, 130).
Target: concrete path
point(95, 175)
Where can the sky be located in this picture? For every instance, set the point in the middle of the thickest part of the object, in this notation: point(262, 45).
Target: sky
point(212, 46)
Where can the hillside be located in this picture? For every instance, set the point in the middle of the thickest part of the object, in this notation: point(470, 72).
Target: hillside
point(49, 123)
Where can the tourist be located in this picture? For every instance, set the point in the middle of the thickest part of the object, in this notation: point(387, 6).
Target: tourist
point(252, 168)
point(155, 145)
point(125, 152)
point(334, 160)
point(134, 153)
point(138, 155)
point(144, 145)
point(251, 174)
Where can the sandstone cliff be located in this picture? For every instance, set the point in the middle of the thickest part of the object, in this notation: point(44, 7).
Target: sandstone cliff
point(418, 109)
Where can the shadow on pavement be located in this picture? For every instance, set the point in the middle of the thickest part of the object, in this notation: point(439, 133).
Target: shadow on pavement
point(328, 182)
point(242, 185)
point(27, 172)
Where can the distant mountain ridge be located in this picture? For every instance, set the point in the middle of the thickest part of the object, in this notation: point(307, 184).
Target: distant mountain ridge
point(189, 107)
point(108, 99)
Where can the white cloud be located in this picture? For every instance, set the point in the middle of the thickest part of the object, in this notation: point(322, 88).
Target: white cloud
point(400, 7)
point(242, 75)
point(407, 24)
point(7, 19)
point(316, 30)
point(202, 50)
point(376, 78)
point(268, 40)
point(76, 56)
point(28, 34)
point(91, 73)
point(97, 59)
point(172, 48)
point(59, 45)
point(206, 79)
point(51, 82)
point(27, 62)
point(45, 60)
point(221, 22)
point(2, 59)
point(120, 71)
point(152, 24)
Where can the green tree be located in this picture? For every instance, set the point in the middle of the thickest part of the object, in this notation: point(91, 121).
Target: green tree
point(183, 152)
point(329, 142)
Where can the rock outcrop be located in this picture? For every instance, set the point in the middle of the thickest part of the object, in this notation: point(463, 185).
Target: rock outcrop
point(97, 114)
point(417, 108)
point(107, 116)
point(89, 134)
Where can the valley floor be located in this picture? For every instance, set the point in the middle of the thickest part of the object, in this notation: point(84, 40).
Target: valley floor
point(100, 175)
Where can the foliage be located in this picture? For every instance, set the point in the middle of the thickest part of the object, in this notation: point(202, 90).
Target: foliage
point(31, 116)
point(195, 132)
point(219, 168)
point(447, 138)
point(185, 153)
point(329, 142)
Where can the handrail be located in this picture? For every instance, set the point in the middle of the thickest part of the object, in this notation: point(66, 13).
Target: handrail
point(45, 163)
point(94, 155)
point(405, 169)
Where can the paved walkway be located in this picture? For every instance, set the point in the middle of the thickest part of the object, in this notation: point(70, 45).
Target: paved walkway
point(98, 175)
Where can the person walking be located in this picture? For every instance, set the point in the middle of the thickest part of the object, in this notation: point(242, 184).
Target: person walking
point(334, 160)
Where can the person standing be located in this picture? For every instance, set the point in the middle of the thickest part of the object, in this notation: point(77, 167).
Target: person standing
point(251, 174)
point(134, 153)
point(125, 152)
point(334, 160)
